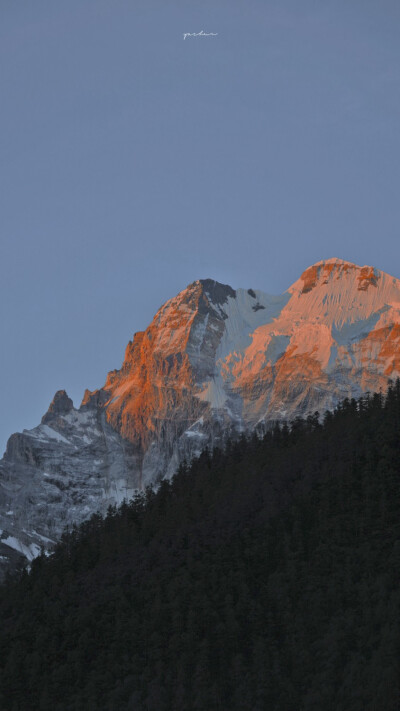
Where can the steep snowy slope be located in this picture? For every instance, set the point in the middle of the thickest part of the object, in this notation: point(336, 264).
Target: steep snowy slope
point(213, 361)
point(337, 336)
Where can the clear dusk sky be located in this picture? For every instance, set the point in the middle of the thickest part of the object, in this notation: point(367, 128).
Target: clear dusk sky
point(134, 162)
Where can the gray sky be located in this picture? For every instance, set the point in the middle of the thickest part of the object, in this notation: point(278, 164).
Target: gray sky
point(134, 162)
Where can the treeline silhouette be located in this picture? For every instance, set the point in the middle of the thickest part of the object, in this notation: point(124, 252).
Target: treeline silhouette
point(262, 577)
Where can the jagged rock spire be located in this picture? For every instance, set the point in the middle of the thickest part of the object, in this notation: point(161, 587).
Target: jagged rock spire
point(61, 404)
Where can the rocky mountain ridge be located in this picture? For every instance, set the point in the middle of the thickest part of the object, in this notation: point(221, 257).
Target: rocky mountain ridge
point(213, 361)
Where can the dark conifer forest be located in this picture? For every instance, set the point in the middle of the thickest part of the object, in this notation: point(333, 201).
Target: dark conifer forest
point(265, 577)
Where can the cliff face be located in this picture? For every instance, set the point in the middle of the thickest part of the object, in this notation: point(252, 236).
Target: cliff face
point(57, 474)
point(213, 361)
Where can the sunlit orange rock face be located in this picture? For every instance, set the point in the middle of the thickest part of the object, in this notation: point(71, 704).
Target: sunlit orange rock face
point(153, 398)
point(151, 389)
point(153, 395)
point(215, 360)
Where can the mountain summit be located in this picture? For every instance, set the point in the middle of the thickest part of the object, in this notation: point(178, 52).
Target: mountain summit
point(241, 358)
point(214, 361)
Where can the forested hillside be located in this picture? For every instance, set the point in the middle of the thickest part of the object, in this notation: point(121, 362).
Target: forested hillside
point(262, 578)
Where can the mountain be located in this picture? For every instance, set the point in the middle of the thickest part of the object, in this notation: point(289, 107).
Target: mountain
point(214, 362)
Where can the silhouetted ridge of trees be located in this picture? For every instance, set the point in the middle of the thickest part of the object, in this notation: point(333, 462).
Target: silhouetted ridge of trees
point(261, 578)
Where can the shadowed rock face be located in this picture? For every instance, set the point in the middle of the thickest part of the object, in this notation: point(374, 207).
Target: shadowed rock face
point(213, 361)
point(60, 405)
point(57, 474)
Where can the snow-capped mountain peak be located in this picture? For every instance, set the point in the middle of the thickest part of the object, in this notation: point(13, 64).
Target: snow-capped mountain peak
point(213, 361)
